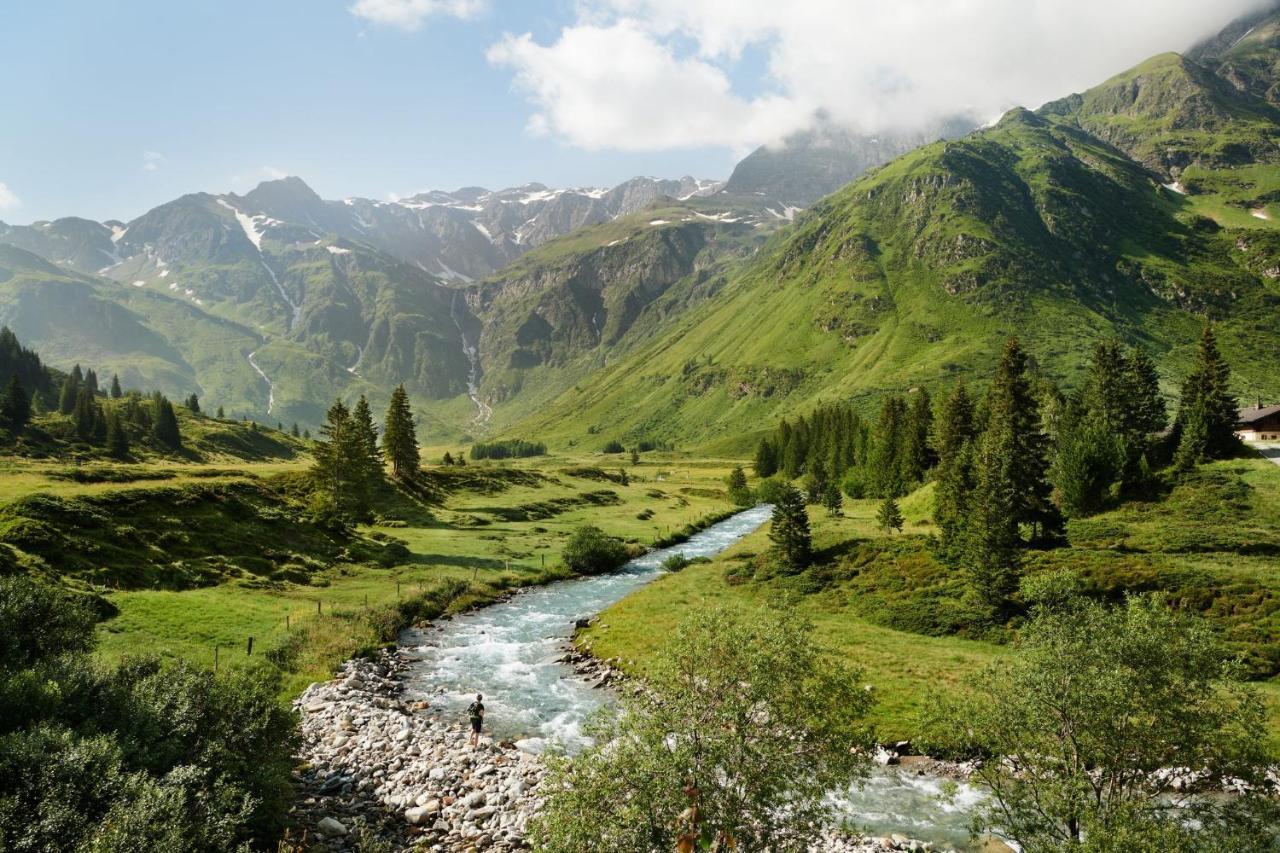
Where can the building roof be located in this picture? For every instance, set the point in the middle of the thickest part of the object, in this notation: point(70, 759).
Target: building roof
point(1256, 413)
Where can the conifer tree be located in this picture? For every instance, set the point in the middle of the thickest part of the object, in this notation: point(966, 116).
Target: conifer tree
point(399, 439)
point(447, 459)
point(955, 435)
point(789, 531)
point(833, 500)
point(889, 516)
point(332, 467)
point(15, 406)
point(164, 423)
point(193, 404)
point(737, 485)
point(70, 389)
point(917, 455)
point(367, 460)
point(1013, 414)
point(117, 440)
point(888, 471)
point(635, 456)
point(766, 462)
point(116, 391)
point(1207, 417)
point(992, 543)
point(1149, 412)
point(221, 413)
point(295, 432)
point(84, 414)
point(91, 381)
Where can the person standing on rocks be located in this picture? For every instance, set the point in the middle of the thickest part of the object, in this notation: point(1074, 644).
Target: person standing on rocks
point(476, 712)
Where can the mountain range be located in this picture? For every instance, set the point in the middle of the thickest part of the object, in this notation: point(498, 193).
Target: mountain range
point(695, 311)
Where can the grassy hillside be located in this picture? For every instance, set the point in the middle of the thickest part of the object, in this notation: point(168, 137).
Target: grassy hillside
point(915, 273)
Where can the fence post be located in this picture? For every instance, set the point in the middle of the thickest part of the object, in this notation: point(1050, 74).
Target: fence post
point(250, 649)
point(366, 601)
point(215, 657)
point(317, 607)
point(286, 622)
point(397, 588)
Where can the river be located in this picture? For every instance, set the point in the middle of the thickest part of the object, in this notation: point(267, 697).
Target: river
point(507, 652)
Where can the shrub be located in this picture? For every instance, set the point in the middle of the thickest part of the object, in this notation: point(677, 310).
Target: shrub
point(591, 551)
point(614, 446)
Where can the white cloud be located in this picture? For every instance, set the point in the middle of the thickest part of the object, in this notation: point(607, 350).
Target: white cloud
point(409, 14)
point(271, 173)
point(8, 198)
point(660, 74)
point(151, 161)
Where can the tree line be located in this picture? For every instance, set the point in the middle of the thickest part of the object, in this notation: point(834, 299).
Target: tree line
point(1011, 466)
point(510, 448)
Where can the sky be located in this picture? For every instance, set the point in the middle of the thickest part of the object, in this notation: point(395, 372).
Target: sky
point(111, 107)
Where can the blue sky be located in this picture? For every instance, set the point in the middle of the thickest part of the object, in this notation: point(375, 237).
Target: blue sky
point(224, 91)
point(110, 107)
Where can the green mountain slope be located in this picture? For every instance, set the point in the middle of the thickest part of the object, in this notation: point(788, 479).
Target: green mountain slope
point(1051, 225)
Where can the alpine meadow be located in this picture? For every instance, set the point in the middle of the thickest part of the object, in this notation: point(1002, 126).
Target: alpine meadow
point(868, 437)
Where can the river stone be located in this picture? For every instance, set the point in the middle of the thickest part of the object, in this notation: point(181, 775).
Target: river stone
point(331, 826)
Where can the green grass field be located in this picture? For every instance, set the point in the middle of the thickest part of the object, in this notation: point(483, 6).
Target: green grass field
point(1200, 543)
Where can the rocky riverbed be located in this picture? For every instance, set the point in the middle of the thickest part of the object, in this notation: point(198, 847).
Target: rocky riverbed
point(379, 771)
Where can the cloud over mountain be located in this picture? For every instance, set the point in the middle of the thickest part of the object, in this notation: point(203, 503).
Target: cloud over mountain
point(665, 74)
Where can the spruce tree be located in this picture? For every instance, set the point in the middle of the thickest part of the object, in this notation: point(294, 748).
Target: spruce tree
point(766, 462)
point(1150, 415)
point(295, 431)
point(1207, 416)
point(833, 500)
point(1013, 414)
point(991, 546)
point(1091, 459)
point(888, 471)
point(399, 439)
point(954, 437)
point(447, 459)
point(917, 455)
point(366, 461)
point(70, 388)
point(164, 423)
point(331, 466)
point(15, 406)
point(84, 415)
point(737, 485)
point(116, 391)
point(91, 381)
point(789, 531)
point(117, 441)
point(221, 413)
point(193, 404)
point(889, 516)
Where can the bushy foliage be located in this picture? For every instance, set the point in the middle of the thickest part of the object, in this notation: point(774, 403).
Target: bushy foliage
point(591, 551)
point(746, 727)
point(1095, 711)
point(143, 756)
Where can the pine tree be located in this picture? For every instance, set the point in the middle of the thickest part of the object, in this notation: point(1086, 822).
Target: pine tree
point(955, 436)
point(447, 459)
point(116, 391)
point(766, 464)
point(15, 407)
point(1013, 412)
point(1207, 417)
point(85, 415)
point(737, 485)
point(366, 461)
point(70, 389)
point(789, 530)
point(399, 439)
point(889, 516)
point(193, 404)
point(117, 441)
point(295, 431)
point(1149, 412)
point(1091, 458)
point(833, 500)
point(221, 414)
point(164, 423)
point(888, 470)
point(918, 456)
point(91, 381)
point(635, 456)
point(331, 467)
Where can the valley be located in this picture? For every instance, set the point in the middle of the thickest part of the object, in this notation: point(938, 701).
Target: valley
point(893, 492)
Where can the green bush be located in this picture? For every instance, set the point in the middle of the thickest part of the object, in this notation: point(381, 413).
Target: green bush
point(144, 756)
point(591, 551)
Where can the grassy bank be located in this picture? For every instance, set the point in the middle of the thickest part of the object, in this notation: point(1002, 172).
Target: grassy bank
point(470, 535)
point(887, 607)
